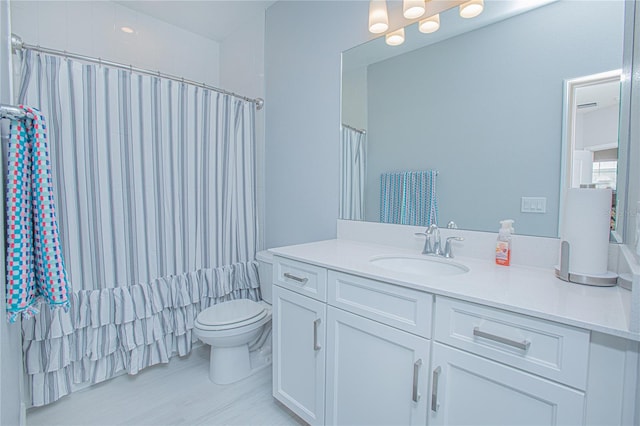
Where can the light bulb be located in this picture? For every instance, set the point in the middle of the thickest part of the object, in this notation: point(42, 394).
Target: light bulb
point(378, 17)
point(472, 8)
point(412, 9)
point(430, 25)
point(395, 38)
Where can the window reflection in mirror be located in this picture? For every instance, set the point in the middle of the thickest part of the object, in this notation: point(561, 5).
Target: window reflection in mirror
point(592, 108)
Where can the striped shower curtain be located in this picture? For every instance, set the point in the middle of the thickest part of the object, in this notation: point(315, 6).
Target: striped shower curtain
point(353, 168)
point(155, 188)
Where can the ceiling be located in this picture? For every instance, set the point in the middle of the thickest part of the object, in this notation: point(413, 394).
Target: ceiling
point(603, 95)
point(213, 19)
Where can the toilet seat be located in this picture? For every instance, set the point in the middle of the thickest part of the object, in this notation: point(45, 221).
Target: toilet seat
point(231, 314)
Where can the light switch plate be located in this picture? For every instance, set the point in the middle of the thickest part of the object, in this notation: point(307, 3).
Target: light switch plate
point(533, 205)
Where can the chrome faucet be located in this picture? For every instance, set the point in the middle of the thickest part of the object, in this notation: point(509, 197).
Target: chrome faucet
point(434, 233)
point(433, 244)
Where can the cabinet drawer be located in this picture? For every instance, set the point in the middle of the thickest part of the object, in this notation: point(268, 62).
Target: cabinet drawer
point(300, 277)
point(551, 350)
point(399, 307)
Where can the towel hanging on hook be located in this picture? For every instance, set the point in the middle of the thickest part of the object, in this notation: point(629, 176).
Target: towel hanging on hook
point(35, 267)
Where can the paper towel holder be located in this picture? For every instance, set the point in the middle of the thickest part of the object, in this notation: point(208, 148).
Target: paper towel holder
point(607, 280)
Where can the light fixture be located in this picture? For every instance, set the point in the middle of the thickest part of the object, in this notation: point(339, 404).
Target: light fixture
point(395, 38)
point(472, 8)
point(412, 9)
point(127, 30)
point(430, 25)
point(378, 18)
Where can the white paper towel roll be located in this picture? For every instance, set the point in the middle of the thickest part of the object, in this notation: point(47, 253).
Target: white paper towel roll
point(585, 225)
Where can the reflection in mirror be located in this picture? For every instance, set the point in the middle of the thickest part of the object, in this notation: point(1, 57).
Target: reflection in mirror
point(484, 108)
point(353, 156)
point(592, 116)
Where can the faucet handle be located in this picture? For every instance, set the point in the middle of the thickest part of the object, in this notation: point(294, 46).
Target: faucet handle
point(447, 247)
point(427, 243)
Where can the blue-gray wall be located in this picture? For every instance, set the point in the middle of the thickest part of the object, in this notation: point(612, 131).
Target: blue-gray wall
point(485, 109)
point(303, 46)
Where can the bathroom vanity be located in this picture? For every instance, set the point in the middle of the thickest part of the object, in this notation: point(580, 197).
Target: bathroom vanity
point(359, 343)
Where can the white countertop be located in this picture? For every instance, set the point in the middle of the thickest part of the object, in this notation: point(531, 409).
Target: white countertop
point(522, 289)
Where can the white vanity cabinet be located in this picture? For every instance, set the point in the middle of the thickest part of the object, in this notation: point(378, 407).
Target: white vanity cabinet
point(299, 324)
point(352, 350)
point(492, 367)
point(372, 351)
point(376, 372)
point(471, 390)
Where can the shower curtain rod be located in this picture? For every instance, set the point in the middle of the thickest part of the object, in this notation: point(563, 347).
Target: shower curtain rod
point(364, 132)
point(17, 44)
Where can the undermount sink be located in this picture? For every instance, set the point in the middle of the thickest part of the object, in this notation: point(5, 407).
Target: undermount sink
point(420, 265)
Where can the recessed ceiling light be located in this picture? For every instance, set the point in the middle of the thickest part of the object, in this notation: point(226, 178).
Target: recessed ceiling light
point(127, 30)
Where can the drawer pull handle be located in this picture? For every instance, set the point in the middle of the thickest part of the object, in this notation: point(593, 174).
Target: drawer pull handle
point(524, 345)
point(293, 277)
point(434, 389)
point(416, 375)
point(316, 346)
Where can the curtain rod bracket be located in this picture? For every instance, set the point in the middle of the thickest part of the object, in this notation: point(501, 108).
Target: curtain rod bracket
point(16, 43)
point(259, 103)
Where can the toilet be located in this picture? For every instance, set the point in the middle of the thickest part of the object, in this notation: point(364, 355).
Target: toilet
point(231, 327)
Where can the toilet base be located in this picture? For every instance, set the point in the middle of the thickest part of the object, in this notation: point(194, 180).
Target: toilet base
point(228, 365)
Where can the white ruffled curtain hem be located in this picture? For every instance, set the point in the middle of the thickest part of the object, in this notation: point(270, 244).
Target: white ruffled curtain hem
point(124, 328)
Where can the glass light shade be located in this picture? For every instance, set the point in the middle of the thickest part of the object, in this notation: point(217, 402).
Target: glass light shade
point(378, 17)
point(412, 9)
point(395, 38)
point(430, 25)
point(472, 8)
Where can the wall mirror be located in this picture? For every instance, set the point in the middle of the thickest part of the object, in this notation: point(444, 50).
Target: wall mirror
point(482, 104)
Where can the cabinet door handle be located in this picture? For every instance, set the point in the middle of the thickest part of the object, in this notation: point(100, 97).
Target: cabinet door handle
point(293, 277)
point(434, 389)
point(416, 376)
point(316, 346)
point(524, 345)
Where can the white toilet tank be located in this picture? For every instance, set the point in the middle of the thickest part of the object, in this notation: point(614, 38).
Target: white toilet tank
point(265, 273)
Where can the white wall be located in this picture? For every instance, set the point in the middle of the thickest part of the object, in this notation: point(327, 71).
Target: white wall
point(597, 128)
point(11, 409)
point(93, 28)
point(303, 45)
point(242, 72)
point(242, 58)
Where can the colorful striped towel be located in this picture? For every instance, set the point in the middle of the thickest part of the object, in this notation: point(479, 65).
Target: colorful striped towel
point(409, 198)
point(35, 268)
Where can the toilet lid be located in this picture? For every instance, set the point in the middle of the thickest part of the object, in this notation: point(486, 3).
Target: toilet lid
point(231, 312)
point(250, 322)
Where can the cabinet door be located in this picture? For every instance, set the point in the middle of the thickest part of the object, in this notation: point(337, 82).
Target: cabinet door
point(298, 354)
point(468, 389)
point(376, 374)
